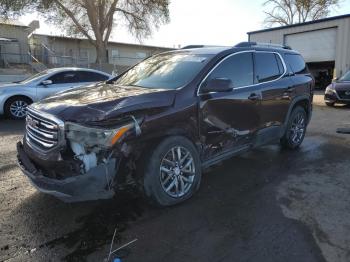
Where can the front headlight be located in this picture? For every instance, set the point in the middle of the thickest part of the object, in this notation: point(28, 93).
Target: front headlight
point(90, 136)
point(330, 89)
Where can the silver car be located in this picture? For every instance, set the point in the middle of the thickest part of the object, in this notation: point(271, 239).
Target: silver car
point(15, 97)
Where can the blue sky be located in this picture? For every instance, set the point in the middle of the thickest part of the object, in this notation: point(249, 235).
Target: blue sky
point(219, 22)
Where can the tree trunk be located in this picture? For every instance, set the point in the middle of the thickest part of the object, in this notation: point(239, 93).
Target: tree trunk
point(101, 53)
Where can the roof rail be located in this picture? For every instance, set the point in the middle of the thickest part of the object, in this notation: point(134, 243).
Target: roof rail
point(199, 46)
point(269, 45)
point(193, 46)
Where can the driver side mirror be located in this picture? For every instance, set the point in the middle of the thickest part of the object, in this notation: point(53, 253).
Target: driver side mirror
point(217, 85)
point(46, 82)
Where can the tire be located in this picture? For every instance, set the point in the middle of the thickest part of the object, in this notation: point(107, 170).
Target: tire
point(296, 129)
point(15, 107)
point(330, 104)
point(161, 172)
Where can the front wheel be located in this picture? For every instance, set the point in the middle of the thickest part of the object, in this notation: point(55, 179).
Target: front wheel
point(296, 129)
point(16, 107)
point(330, 104)
point(172, 172)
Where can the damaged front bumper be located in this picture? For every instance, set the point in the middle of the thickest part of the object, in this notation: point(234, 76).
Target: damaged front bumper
point(94, 184)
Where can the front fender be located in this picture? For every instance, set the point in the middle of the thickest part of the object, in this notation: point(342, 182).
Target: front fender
point(7, 95)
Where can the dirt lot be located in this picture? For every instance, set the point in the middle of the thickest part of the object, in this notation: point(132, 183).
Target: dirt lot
point(268, 205)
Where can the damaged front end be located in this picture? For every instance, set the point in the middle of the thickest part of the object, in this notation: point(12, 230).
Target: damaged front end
point(71, 161)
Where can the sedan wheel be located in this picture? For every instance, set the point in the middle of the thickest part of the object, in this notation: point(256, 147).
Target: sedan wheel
point(18, 108)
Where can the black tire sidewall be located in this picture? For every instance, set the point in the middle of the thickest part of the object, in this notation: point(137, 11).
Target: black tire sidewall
point(151, 179)
point(8, 105)
point(286, 139)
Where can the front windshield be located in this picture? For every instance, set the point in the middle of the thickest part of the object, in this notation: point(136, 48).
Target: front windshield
point(33, 77)
point(345, 77)
point(164, 71)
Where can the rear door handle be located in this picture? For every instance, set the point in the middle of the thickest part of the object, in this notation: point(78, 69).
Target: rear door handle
point(253, 97)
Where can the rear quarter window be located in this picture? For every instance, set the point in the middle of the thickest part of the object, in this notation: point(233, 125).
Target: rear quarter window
point(268, 67)
point(296, 63)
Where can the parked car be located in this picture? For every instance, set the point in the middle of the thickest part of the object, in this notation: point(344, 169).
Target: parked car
point(15, 97)
point(161, 122)
point(338, 91)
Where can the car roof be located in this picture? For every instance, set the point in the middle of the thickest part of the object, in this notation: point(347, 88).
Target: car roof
point(215, 50)
point(62, 69)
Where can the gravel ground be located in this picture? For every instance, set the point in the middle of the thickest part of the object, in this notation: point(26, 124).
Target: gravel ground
point(267, 205)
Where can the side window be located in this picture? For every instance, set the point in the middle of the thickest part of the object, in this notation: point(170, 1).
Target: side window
point(296, 63)
point(86, 76)
point(268, 67)
point(238, 68)
point(64, 78)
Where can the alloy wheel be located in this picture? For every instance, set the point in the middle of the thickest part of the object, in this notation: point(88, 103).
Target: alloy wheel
point(177, 172)
point(297, 129)
point(18, 108)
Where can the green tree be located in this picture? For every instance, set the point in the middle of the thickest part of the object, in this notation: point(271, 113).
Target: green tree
point(287, 12)
point(95, 19)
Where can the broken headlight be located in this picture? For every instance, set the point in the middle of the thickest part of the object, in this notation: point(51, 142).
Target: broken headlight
point(91, 136)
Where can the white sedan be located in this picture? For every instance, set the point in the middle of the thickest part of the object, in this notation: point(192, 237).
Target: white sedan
point(15, 97)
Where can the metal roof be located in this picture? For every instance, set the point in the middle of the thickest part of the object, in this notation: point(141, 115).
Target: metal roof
point(109, 42)
point(301, 24)
point(12, 22)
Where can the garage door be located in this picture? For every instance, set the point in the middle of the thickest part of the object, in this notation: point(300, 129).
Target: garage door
point(315, 46)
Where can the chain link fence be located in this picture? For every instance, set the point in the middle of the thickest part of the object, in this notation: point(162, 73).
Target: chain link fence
point(32, 63)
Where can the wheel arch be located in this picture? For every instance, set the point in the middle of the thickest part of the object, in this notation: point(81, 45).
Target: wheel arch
point(154, 140)
point(14, 96)
point(305, 102)
point(9, 98)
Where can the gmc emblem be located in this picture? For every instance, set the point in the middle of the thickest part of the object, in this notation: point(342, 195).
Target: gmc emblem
point(32, 122)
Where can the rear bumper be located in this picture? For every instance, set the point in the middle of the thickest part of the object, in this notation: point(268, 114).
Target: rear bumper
point(95, 184)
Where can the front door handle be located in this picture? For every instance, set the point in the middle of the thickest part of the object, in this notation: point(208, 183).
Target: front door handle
point(253, 97)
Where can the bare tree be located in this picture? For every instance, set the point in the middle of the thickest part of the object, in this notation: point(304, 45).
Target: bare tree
point(95, 19)
point(287, 12)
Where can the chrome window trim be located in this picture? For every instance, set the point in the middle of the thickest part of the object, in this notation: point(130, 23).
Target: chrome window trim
point(241, 87)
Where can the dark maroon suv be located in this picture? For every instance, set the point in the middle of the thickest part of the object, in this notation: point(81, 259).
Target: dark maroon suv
point(159, 124)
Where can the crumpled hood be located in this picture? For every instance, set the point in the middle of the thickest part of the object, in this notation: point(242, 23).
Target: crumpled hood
point(341, 85)
point(102, 101)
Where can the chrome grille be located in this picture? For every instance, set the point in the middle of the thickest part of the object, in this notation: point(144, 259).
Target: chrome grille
point(42, 133)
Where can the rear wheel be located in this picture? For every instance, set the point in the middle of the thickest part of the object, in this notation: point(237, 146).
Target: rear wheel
point(330, 103)
point(16, 107)
point(172, 172)
point(296, 129)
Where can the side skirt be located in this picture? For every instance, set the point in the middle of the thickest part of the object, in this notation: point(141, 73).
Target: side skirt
point(225, 155)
